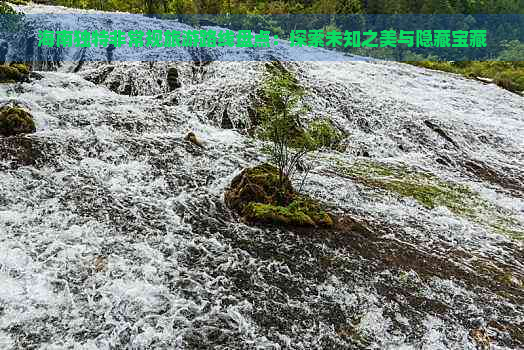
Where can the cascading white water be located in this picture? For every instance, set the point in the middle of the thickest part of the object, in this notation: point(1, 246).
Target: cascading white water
point(114, 233)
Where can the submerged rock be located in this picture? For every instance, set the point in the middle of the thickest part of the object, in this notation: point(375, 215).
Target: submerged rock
point(126, 78)
point(172, 78)
point(440, 132)
point(15, 121)
point(226, 122)
point(16, 150)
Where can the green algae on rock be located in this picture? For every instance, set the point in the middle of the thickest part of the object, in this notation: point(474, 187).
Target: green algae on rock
point(325, 134)
point(259, 184)
point(275, 214)
point(15, 121)
point(430, 192)
point(21, 67)
point(302, 211)
point(16, 72)
point(257, 194)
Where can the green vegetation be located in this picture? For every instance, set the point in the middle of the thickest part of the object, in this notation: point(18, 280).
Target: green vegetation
point(507, 75)
point(14, 121)
point(260, 184)
point(14, 73)
point(22, 68)
point(507, 279)
point(302, 211)
point(426, 189)
point(5, 9)
point(258, 196)
point(325, 134)
point(18, 2)
point(279, 114)
point(431, 192)
point(11, 19)
point(300, 6)
point(265, 194)
point(279, 110)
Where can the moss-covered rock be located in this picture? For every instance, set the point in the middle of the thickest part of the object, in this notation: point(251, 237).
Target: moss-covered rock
point(275, 214)
point(259, 196)
point(15, 121)
point(6, 9)
point(16, 72)
point(9, 73)
point(302, 211)
point(21, 67)
point(259, 184)
point(325, 134)
point(431, 192)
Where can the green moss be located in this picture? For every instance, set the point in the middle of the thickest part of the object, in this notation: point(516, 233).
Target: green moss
point(431, 195)
point(431, 192)
point(273, 214)
point(22, 68)
point(301, 212)
point(7, 72)
point(6, 9)
point(325, 134)
point(14, 121)
point(14, 73)
point(426, 189)
point(312, 209)
point(259, 195)
point(260, 184)
point(507, 279)
point(508, 75)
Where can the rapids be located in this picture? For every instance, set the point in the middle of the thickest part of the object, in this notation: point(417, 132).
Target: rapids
point(114, 234)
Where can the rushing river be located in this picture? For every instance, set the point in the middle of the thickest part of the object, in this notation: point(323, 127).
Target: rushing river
point(114, 234)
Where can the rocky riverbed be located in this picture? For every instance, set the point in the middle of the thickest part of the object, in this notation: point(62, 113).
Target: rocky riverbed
point(114, 233)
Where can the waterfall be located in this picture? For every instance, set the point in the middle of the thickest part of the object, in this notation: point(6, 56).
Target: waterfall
point(114, 233)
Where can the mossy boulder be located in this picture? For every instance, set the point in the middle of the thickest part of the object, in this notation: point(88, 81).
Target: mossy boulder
point(15, 121)
point(16, 72)
point(259, 184)
point(259, 196)
point(21, 67)
point(325, 134)
point(5, 9)
point(269, 214)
